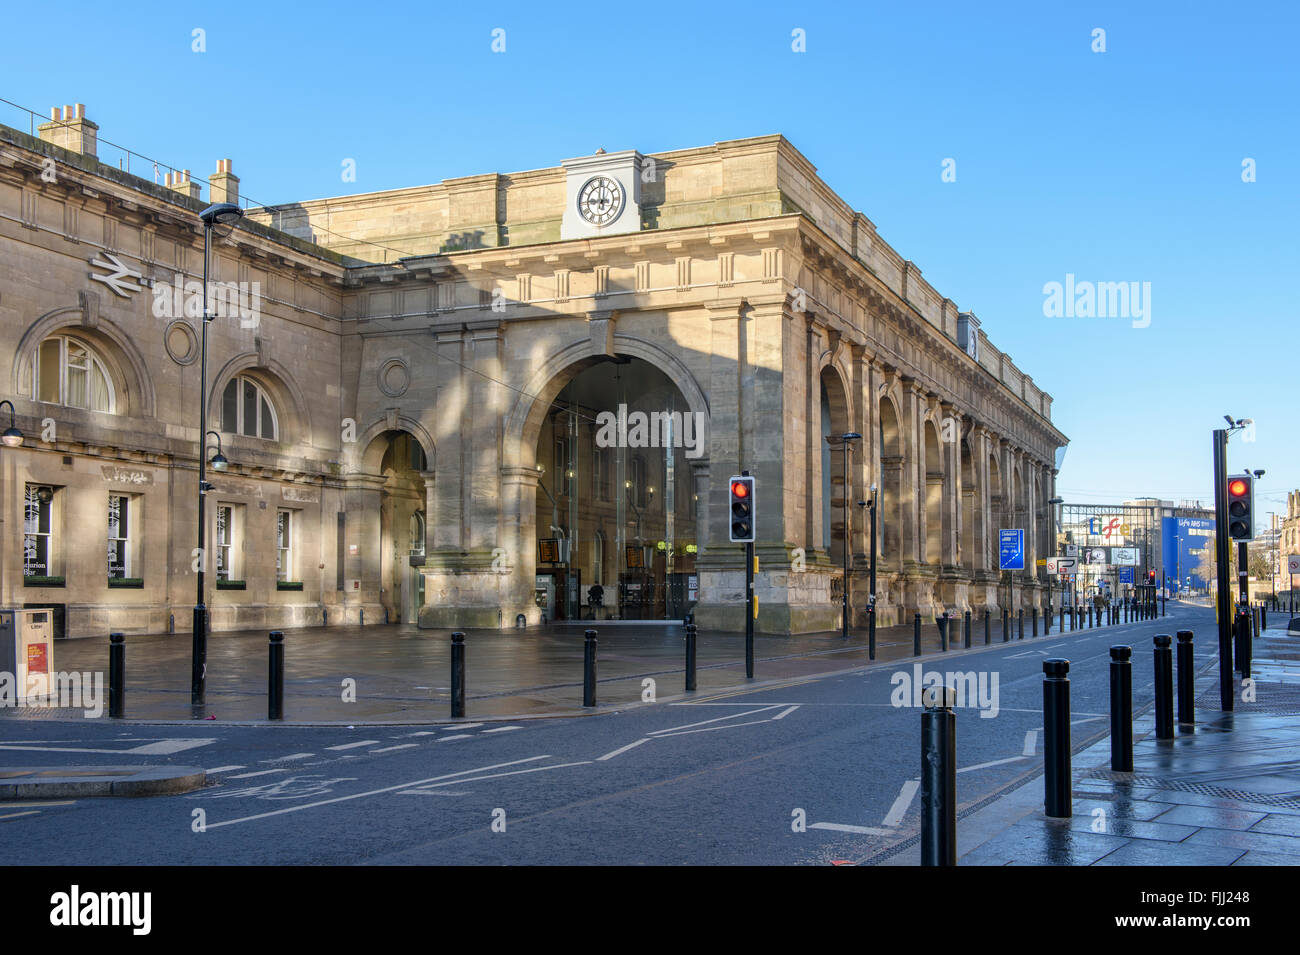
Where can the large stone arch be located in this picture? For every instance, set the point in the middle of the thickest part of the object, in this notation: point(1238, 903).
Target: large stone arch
point(997, 511)
point(291, 406)
point(524, 424)
point(932, 488)
point(835, 414)
point(891, 482)
point(367, 452)
point(131, 379)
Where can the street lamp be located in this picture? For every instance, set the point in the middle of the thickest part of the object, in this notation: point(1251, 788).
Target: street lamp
point(871, 600)
point(218, 461)
point(12, 437)
point(220, 213)
point(845, 439)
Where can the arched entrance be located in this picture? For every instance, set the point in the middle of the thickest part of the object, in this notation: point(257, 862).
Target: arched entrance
point(616, 503)
point(403, 466)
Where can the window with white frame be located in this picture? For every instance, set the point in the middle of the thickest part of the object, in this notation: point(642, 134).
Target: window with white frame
point(284, 550)
point(69, 372)
point(226, 541)
point(123, 515)
point(246, 409)
point(38, 531)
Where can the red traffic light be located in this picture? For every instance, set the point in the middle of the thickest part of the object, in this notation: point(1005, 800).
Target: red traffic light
point(1237, 487)
point(740, 489)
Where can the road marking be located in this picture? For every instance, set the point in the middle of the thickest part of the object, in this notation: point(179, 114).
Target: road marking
point(285, 759)
point(839, 827)
point(516, 772)
point(457, 736)
point(422, 733)
point(222, 769)
point(373, 792)
point(389, 749)
point(43, 804)
point(1090, 719)
point(622, 749)
point(471, 726)
point(499, 729)
point(718, 719)
point(165, 747)
point(995, 762)
point(899, 809)
point(364, 742)
point(15, 815)
point(710, 729)
point(786, 712)
point(260, 772)
point(1031, 740)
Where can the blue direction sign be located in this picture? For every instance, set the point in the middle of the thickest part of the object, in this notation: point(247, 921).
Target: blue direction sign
point(1011, 549)
point(1126, 575)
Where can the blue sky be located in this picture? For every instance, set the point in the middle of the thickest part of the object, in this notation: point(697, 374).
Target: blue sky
point(1117, 166)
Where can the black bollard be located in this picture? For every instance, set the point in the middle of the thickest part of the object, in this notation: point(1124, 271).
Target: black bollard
point(1254, 620)
point(1057, 801)
point(1162, 604)
point(966, 630)
point(1263, 617)
point(986, 625)
point(938, 777)
point(1020, 618)
point(943, 632)
point(1247, 647)
point(116, 675)
point(1061, 626)
point(457, 675)
point(1034, 613)
point(871, 629)
point(1006, 625)
point(1121, 709)
point(589, 669)
point(690, 658)
point(275, 677)
point(1186, 679)
point(916, 634)
point(1164, 707)
point(1089, 616)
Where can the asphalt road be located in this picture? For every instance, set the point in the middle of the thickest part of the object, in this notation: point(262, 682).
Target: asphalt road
point(722, 779)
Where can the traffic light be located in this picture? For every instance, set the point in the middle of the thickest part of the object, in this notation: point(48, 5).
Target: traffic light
point(1151, 578)
point(742, 509)
point(1241, 507)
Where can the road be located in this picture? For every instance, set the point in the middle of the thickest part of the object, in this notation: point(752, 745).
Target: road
point(724, 779)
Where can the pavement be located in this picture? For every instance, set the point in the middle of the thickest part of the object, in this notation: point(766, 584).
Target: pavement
point(401, 674)
point(1224, 792)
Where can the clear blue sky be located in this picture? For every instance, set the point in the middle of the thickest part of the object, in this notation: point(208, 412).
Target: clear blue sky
point(1115, 166)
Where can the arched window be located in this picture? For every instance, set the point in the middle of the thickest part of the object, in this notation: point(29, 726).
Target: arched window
point(246, 409)
point(69, 372)
point(417, 532)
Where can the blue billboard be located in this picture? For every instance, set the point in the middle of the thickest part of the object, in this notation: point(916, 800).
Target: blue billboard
point(1182, 541)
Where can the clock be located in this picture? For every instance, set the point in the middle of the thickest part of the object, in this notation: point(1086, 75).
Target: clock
point(600, 201)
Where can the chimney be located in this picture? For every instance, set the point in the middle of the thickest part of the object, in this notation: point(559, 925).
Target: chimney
point(69, 128)
point(180, 182)
point(223, 185)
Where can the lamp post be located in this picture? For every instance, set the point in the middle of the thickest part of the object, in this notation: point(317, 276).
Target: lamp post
point(871, 600)
point(1055, 504)
point(845, 439)
point(223, 213)
point(12, 437)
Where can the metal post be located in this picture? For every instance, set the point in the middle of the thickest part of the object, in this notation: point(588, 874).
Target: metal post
point(1263, 617)
point(690, 657)
point(1006, 624)
point(199, 649)
point(1034, 613)
point(986, 626)
point(871, 605)
point(1121, 709)
point(943, 632)
point(457, 675)
point(1061, 625)
point(939, 778)
point(589, 669)
point(116, 675)
point(1243, 627)
point(916, 634)
point(1020, 617)
point(1163, 598)
point(275, 677)
point(966, 630)
point(1186, 679)
point(749, 608)
point(1164, 660)
point(1221, 568)
point(1057, 801)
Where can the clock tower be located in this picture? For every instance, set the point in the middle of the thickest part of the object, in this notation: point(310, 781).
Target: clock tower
point(602, 195)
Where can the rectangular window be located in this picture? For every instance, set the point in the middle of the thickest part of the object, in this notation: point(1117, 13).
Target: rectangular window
point(284, 545)
point(225, 542)
point(38, 531)
point(121, 517)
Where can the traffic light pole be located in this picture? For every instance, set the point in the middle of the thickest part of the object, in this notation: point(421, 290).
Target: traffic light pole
point(1222, 597)
point(749, 610)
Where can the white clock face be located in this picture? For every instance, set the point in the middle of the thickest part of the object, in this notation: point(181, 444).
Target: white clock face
point(600, 201)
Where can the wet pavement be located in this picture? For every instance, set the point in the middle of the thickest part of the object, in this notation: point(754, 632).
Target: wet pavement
point(1225, 791)
point(401, 674)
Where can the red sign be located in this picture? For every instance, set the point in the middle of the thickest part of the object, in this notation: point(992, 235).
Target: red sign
point(37, 661)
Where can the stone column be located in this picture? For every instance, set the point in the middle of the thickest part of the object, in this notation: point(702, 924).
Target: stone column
point(950, 450)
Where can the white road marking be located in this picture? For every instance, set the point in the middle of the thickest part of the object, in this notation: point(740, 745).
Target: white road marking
point(786, 712)
point(470, 726)
point(1090, 719)
point(1031, 740)
point(499, 729)
point(289, 758)
point(364, 742)
point(261, 772)
point(733, 716)
point(905, 796)
point(457, 736)
point(166, 747)
point(709, 729)
point(622, 749)
point(222, 769)
point(389, 749)
point(15, 815)
point(373, 792)
point(42, 804)
point(995, 762)
point(839, 827)
point(422, 733)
